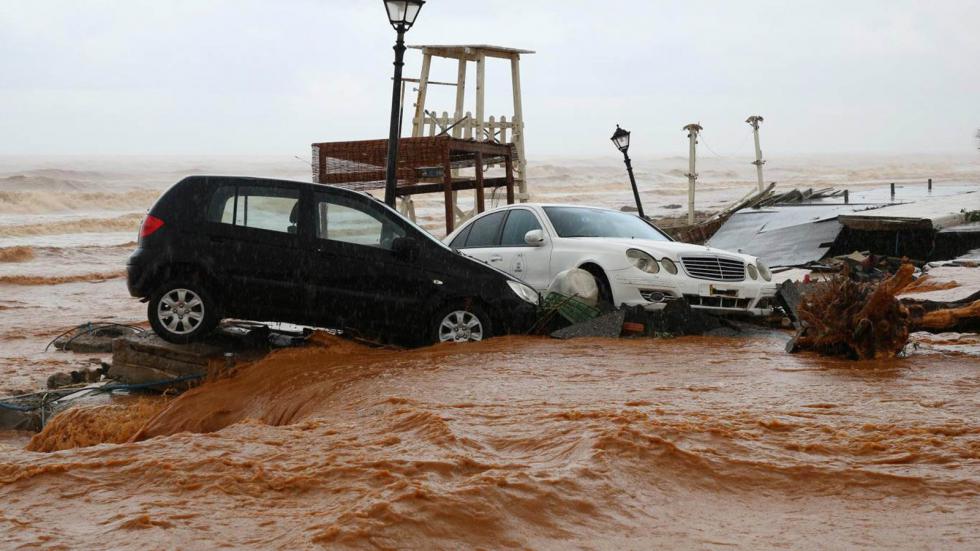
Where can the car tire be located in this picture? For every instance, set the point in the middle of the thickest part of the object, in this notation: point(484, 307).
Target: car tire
point(606, 302)
point(460, 322)
point(181, 312)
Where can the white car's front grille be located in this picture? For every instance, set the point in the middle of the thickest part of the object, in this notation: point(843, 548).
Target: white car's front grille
point(714, 268)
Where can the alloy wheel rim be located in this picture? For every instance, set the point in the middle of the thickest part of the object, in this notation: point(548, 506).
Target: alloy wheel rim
point(460, 326)
point(180, 311)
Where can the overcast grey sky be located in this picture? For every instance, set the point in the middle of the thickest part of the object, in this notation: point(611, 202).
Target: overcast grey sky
point(257, 76)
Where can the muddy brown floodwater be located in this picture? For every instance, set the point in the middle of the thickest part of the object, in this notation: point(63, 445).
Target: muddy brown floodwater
point(707, 443)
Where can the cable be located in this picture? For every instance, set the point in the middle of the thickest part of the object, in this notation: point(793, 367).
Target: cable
point(716, 154)
point(140, 386)
point(106, 388)
point(14, 407)
point(90, 327)
point(96, 328)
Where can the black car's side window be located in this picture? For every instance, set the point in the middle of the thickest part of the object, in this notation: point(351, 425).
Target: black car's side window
point(485, 232)
point(519, 222)
point(342, 220)
point(264, 208)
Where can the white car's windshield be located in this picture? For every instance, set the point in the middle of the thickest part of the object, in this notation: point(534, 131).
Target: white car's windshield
point(586, 222)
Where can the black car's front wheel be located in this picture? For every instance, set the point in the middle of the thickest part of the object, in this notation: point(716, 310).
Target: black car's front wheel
point(182, 312)
point(461, 323)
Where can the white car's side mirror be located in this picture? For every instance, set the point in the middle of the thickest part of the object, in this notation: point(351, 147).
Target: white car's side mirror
point(534, 238)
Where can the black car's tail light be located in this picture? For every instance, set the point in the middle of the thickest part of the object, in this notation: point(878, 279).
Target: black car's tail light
point(150, 225)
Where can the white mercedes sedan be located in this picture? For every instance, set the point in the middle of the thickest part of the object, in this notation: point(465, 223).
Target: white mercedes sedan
point(634, 262)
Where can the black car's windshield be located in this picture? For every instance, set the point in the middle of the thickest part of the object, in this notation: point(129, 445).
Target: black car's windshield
point(587, 222)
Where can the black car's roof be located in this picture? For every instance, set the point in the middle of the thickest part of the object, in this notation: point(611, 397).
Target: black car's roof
point(210, 179)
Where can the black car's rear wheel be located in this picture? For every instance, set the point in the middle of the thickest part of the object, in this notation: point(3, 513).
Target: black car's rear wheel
point(461, 323)
point(182, 312)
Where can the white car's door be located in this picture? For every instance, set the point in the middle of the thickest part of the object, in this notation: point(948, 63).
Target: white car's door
point(530, 263)
point(498, 239)
point(481, 239)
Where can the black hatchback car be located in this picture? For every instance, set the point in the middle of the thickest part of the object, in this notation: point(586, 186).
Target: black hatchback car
point(216, 247)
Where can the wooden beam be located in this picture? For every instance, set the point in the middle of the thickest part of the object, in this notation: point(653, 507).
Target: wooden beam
point(479, 182)
point(447, 188)
point(460, 96)
point(517, 133)
point(481, 66)
point(420, 101)
point(483, 147)
point(509, 164)
point(457, 185)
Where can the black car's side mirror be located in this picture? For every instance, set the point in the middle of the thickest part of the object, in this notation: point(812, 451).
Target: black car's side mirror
point(406, 248)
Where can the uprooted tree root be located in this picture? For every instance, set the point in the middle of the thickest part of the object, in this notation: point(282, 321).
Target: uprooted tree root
point(864, 321)
point(945, 319)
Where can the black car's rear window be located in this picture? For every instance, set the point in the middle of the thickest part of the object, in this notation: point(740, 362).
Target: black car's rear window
point(260, 207)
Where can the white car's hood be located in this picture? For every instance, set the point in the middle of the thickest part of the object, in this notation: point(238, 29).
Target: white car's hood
point(659, 249)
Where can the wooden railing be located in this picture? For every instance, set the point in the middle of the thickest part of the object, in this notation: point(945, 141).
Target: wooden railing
point(466, 127)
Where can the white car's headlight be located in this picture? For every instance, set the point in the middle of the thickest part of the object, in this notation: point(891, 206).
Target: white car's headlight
point(753, 273)
point(642, 261)
point(763, 270)
point(669, 265)
point(526, 293)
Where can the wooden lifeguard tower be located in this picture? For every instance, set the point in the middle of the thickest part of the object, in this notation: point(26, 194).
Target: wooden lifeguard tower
point(426, 165)
point(465, 124)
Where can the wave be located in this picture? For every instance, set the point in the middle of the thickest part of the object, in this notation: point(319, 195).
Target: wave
point(510, 443)
point(89, 426)
point(58, 280)
point(128, 222)
point(16, 254)
point(37, 202)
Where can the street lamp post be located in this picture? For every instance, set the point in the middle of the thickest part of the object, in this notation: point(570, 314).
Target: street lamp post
point(621, 139)
point(401, 15)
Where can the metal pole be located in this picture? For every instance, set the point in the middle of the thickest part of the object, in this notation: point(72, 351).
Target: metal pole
point(692, 174)
point(391, 170)
point(636, 193)
point(691, 177)
point(754, 121)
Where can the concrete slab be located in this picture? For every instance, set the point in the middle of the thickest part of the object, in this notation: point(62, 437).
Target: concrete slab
point(933, 213)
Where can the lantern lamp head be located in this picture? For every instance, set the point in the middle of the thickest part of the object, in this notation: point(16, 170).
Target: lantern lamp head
point(402, 13)
point(621, 139)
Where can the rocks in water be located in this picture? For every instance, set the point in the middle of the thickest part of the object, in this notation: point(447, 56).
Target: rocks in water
point(59, 380)
point(80, 376)
point(607, 325)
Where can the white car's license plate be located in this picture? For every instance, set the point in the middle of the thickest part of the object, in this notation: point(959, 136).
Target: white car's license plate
point(712, 290)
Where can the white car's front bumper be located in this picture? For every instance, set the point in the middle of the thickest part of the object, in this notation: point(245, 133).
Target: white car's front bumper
point(749, 296)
